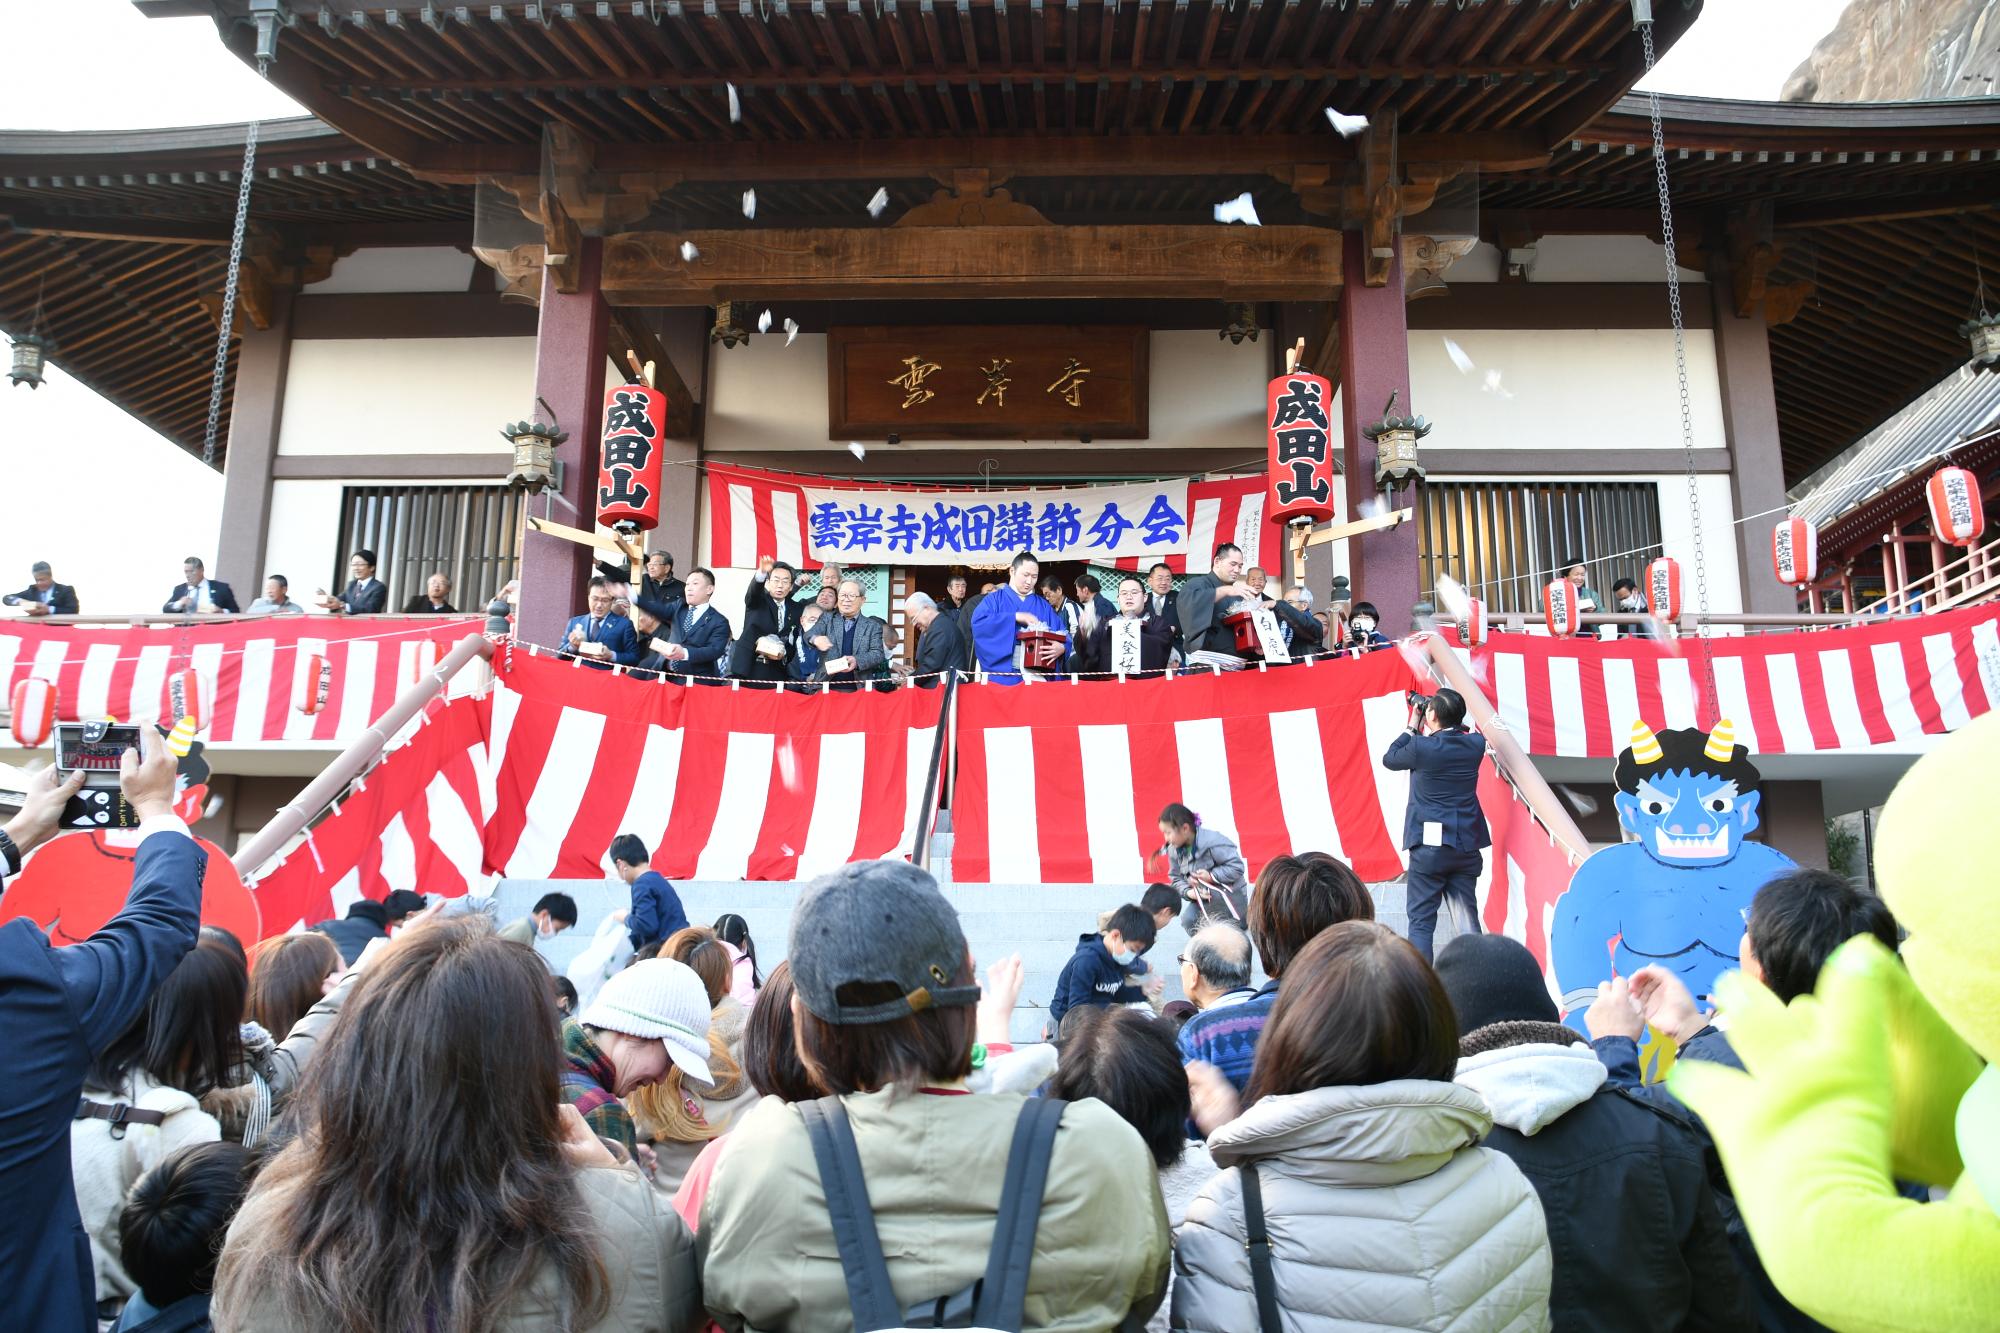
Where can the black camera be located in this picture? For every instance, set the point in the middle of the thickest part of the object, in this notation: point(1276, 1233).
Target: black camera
point(1418, 699)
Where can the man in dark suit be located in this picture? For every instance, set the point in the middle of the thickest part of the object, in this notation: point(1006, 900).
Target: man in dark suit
point(1090, 596)
point(656, 582)
point(364, 595)
point(1096, 655)
point(434, 600)
point(198, 594)
point(940, 645)
point(44, 596)
point(697, 632)
point(1162, 601)
point(1444, 828)
point(600, 638)
point(59, 1009)
point(770, 619)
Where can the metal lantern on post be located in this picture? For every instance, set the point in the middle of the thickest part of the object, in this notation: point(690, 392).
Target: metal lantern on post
point(1795, 552)
point(534, 455)
point(31, 357)
point(1958, 516)
point(1396, 445)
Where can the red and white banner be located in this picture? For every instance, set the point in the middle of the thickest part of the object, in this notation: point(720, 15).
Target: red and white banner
point(752, 513)
point(414, 822)
point(1787, 693)
point(253, 673)
point(719, 783)
point(1064, 784)
point(1526, 868)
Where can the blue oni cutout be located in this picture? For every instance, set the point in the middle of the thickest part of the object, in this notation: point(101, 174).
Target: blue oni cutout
point(1678, 892)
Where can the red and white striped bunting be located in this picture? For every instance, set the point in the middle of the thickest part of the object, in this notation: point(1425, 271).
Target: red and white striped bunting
point(1063, 784)
point(252, 671)
point(719, 783)
point(1786, 693)
point(754, 513)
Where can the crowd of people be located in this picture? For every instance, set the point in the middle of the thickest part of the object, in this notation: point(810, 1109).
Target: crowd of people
point(814, 632)
point(199, 595)
point(401, 1121)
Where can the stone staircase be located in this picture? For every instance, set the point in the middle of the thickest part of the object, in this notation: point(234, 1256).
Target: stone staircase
point(1041, 922)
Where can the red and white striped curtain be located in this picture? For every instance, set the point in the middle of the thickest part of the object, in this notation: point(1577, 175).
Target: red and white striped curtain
point(752, 513)
point(252, 672)
point(1786, 693)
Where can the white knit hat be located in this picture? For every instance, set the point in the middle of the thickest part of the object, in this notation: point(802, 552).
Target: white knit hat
point(657, 998)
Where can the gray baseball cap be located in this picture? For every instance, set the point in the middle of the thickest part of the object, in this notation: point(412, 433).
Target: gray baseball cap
point(876, 924)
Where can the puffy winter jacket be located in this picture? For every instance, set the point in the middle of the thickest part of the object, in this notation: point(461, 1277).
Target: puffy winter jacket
point(1636, 1233)
point(1383, 1213)
point(105, 1161)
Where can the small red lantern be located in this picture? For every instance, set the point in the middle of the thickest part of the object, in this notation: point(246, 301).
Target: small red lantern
point(34, 712)
point(1663, 588)
point(1559, 608)
point(1957, 515)
point(1301, 444)
point(1795, 552)
point(318, 683)
point(1474, 629)
point(186, 697)
point(632, 457)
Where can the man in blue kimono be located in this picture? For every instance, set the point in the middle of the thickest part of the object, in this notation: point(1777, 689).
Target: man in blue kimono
point(1002, 613)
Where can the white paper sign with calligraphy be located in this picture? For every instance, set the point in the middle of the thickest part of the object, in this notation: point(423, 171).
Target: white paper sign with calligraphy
point(1097, 524)
point(1125, 646)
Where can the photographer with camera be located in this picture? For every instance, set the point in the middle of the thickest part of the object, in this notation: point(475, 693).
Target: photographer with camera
point(1444, 828)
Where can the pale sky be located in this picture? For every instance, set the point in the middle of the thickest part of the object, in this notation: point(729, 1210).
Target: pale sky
point(115, 507)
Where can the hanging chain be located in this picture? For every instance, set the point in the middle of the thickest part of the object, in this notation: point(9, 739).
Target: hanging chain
point(1681, 369)
point(228, 320)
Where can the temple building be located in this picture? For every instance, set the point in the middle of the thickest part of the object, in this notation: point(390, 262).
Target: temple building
point(980, 244)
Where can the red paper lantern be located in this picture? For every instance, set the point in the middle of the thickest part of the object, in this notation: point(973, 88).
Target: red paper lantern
point(1559, 608)
point(1795, 552)
point(631, 458)
point(1301, 443)
point(318, 683)
point(186, 697)
point(1475, 622)
point(1663, 588)
point(1957, 515)
point(34, 711)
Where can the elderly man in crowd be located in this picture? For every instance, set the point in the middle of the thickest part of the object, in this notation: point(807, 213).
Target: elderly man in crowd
point(850, 643)
point(940, 645)
point(1215, 970)
point(277, 598)
point(434, 600)
point(198, 594)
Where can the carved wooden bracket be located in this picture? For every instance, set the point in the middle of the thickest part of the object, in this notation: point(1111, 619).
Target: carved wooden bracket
point(1754, 253)
point(562, 243)
point(1426, 260)
point(519, 268)
point(972, 201)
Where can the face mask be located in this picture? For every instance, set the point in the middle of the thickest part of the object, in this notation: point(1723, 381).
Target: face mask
point(1634, 604)
point(1363, 625)
point(1123, 957)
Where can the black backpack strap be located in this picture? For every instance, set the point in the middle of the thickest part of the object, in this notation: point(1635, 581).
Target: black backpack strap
point(869, 1294)
point(1258, 1238)
point(1003, 1292)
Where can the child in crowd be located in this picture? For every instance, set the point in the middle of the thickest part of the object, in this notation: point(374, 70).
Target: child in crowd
point(170, 1234)
point(1097, 972)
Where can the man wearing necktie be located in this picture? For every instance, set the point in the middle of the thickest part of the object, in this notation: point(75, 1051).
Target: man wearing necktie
point(601, 639)
point(699, 634)
point(365, 595)
point(850, 643)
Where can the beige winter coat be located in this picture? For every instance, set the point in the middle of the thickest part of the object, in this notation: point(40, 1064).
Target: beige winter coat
point(934, 1166)
point(105, 1166)
point(643, 1243)
point(1383, 1214)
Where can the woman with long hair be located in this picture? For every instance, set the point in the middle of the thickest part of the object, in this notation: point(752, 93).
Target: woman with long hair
point(434, 1186)
point(291, 974)
point(745, 980)
point(1382, 1209)
point(141, 1100)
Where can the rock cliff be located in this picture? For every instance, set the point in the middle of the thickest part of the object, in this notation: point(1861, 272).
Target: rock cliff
point(1904, 50)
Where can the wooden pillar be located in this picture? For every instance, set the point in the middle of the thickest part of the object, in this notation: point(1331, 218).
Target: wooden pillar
point(1756, 468)
point(569, 377)
point(1374, 362)
point(256, 409)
